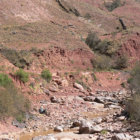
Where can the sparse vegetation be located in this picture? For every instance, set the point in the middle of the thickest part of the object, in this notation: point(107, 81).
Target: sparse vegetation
point(5, 80)
point(105, 51)
point(12, 104)
point(46, 74)
point(94, 76)
point(92, 40)
point(113, 5)
point(22, 75)
point(105, 47)
point(132, 106)
point(85, 86)
point(20, 59)
point(102, 62)
point(121, 62)
point(134, 80)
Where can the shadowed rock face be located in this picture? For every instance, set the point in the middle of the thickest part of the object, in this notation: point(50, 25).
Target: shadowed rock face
point(67, 8)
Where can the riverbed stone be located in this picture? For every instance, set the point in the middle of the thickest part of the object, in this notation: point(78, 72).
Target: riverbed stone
point(58, 129)
point(78, 86)
point(122, 136)
point(48, 137)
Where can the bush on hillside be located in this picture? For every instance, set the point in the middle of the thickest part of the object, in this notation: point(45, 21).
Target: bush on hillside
point(111, 6)
point(92, 40)
point(121, 62)
point(105, 47)
point(22, 75)
point(102, 62)
point(134, 80)
point(5, 80)
point(20, 59)
point(132, 106)
point(12, 104)
point(46, 74)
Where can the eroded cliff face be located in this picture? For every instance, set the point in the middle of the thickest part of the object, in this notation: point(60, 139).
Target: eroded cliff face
point(45, 24)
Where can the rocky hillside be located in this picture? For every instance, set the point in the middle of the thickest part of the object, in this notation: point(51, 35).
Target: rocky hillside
point(71, 60)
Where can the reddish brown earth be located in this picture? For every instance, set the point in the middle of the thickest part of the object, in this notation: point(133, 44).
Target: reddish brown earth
point(44, 25)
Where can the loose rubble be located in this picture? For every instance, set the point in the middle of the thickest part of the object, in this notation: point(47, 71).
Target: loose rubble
point(96, 116)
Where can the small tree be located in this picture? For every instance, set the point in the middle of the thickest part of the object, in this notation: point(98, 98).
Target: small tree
point(46, 74)
point(121, 62)
point(102, 62)
point(132, 106)
point(92, 40)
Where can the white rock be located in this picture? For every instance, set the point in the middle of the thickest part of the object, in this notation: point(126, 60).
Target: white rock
point(58, 129)
point(78, 86)
point(85, 127)
point(98, 120)
point(48, 137)
point(122, 136)
point(122, 118)
point(96, 129)
point(97, 105)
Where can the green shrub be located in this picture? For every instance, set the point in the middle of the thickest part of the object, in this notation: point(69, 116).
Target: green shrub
point(121, 62)
point(108, 47)
point(12, 104)
point(5, 80)
point(102, 62)
point(134, 80)
point(46, 74)
point(113, 5)
point(20, 59)
point(132, 105)
point(105, 47)
point(22, 75)
point(92, 40)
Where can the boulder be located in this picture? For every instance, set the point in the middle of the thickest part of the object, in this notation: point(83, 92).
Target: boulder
point(99, 100)
point(96, 129)
point(54, 99)
point(65, 83)
point(98, 120)
point(58, 129)
point(47, 92)
point(42, 110)
point(97, 105)
point(53, 89)
point(78, 86)
point(76, 123)
point(89, 98)
point(85, 127)
point(121, 118)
